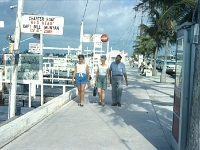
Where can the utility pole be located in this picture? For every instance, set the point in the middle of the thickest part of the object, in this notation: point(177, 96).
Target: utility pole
point(12, 94)
point(193, 140)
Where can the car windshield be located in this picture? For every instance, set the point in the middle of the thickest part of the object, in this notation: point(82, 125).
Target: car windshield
point(170, 63)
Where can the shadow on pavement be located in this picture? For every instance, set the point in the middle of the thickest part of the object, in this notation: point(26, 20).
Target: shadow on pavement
point(153, 122)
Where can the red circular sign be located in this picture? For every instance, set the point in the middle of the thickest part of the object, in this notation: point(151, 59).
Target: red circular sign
point(104, 38)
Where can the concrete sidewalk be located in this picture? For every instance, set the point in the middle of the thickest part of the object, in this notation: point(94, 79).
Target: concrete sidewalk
point(142, 123)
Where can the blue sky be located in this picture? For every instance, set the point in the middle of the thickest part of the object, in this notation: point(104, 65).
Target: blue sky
point(116, 19)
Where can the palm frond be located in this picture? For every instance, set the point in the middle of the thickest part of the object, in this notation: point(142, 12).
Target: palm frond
point(178, 11)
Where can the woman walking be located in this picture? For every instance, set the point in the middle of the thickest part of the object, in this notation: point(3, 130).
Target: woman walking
point(81, 75)
point(102, 80)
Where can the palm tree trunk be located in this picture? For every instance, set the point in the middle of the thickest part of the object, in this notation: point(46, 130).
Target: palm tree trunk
point(163, 74)
point(193, 140)
point(154, 73)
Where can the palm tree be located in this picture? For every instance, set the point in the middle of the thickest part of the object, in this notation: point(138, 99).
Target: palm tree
point(142, 48)
point(174, 12)
point(156, 33)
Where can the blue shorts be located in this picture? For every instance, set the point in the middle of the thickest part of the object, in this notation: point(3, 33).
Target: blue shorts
point(81, 79)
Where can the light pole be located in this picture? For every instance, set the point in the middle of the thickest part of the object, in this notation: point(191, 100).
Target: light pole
point(12, 94)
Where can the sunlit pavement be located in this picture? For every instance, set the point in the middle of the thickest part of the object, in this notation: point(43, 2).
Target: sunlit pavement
point(143, 122)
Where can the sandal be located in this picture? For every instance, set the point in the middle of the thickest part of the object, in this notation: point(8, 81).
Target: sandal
point(81, 105)
point(99, 103)
point(102, 104)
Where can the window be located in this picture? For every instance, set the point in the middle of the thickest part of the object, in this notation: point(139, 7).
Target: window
point(179, 63)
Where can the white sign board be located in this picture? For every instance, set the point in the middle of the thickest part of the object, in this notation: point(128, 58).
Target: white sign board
point(42, 24)
point(92, 38)
point(1, 24)
point(29, 68)
point(34, 48)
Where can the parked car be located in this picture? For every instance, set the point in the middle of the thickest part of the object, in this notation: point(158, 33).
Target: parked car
point(170, 66)
point(159, 63)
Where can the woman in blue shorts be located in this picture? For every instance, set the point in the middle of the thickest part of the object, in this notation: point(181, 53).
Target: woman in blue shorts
point(102, 80)
point(81, 76)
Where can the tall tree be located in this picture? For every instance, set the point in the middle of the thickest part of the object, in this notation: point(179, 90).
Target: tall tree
point(193, 140)
point(174, 12)
point(141, 45)
point(156, 33)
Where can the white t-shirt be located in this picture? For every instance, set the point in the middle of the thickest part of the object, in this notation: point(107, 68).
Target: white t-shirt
point(150, 66)
point(80, 68)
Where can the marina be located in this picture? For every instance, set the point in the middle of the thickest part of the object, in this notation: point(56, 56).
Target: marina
point(56, 76)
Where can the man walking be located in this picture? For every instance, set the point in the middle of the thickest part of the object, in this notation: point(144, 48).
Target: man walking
point(117, 71)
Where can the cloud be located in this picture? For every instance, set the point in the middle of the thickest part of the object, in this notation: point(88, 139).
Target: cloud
point(114, 19)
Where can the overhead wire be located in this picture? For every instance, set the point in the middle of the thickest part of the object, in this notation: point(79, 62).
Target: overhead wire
point(133, 34)
point(130, 25)
point(97, 17)
point(85, 10)
point(131, 39)
point(42, 6)
point(120, 39)
point(125, 45)
point(33, 5)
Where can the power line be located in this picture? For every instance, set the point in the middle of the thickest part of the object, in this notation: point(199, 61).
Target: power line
point(130, 42)
point(127, 38)
point(121, 36)
point(33, 6)
point(85, 10)
point(130, 31)
point(120, 39)
point(97, 16)
point(42, 6)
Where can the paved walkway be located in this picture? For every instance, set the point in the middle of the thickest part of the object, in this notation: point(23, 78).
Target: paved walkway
point(142, 123)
